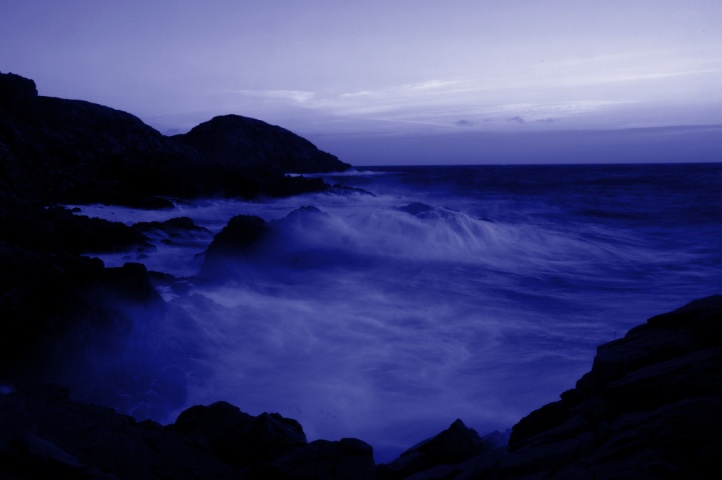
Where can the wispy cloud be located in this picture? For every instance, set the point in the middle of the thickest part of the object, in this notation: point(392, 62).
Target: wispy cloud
point(363, 93)
point(631, 76)
point(443, 103)
point(429, 85)
point(540, 95)
point(299, 96)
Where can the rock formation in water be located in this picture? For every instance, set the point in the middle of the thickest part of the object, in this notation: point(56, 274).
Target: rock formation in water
point(59, 310)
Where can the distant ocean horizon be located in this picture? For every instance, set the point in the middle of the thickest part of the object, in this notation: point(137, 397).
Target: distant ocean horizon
point(422, 294)
point(530, 146)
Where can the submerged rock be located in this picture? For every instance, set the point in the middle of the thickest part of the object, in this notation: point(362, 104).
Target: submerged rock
point(416, 208)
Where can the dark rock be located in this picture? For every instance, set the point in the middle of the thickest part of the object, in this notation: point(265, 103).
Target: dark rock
point(344, 190)
point(170, 226)
point(239, 239)
point(54, 150)
point(74, 151)
point(66, 318)
point(239, 439)
point(45, 434)
point(307, 218)
point(213, 422)
point(416, 208)
point(452, 446)
point(266, 438)
point(246, 143)
point(347, 459)
point(59, 231)
point(17, 93)
point(176, 231)
point(650, 407)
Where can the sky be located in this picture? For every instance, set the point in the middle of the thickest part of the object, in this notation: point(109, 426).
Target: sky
point(375, 73)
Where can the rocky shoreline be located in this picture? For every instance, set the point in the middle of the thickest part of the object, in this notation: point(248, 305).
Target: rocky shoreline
point(650, 407)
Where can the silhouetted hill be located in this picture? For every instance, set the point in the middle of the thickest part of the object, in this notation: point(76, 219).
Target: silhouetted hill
point(72, 151)
point(242, 142)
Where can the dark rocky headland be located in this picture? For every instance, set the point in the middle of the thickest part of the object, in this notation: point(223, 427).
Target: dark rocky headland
point(651, 406)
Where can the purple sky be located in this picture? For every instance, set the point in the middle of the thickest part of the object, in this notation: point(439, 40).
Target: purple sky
point(410, 69)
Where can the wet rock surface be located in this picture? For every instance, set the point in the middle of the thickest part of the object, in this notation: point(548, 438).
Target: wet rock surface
point(44, 432)
point(649, 408)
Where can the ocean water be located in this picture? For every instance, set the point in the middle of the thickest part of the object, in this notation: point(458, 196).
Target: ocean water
point(432, 293)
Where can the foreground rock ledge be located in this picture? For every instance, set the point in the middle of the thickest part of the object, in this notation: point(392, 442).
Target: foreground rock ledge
point(651, 407)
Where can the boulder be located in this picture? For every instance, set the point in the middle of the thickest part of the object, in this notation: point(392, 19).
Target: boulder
point(239, 439)
point(171, 226)
point(450, 447)
point(46, 434)
point(346, 459)
point(232, 247)
point(416, 208)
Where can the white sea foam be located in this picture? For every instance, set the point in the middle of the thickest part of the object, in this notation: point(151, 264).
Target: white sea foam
point(385, 319)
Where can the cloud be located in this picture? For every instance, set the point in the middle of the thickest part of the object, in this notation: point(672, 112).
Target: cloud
point(362, 93)
point(431, 106)
point(299, 96)
point(429, 85)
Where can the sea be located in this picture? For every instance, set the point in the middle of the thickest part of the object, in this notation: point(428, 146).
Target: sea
point(411, 296)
